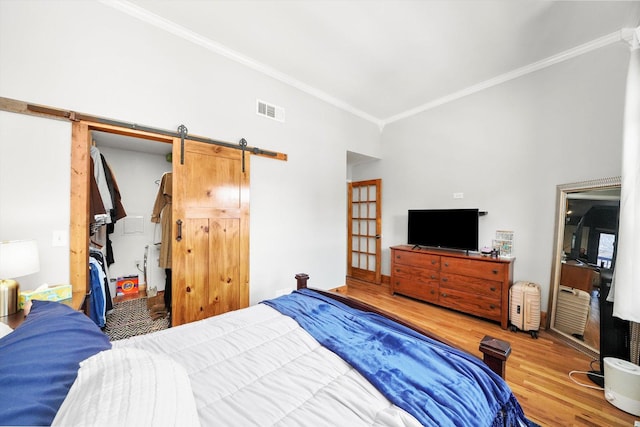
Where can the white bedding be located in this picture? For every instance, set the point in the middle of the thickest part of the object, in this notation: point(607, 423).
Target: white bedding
point(129, 387)
point(258, 367)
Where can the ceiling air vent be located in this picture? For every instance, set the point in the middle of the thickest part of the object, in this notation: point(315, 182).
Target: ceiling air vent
point(271, 111)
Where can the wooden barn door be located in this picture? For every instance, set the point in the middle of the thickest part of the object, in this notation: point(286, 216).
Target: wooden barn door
point(210, 259)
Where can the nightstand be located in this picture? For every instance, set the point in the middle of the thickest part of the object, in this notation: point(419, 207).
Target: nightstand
point(13, 320)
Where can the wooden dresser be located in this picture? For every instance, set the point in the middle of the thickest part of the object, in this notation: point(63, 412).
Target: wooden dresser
point(473, 284)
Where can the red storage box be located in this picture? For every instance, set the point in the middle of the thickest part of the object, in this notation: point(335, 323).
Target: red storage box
point(127, 285)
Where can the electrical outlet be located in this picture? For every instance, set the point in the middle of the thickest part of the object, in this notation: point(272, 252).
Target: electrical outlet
point(458, 195)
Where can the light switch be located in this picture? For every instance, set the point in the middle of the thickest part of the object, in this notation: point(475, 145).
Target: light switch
point(59, 238)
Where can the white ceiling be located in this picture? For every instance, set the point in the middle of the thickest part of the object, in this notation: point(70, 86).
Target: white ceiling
point(388, 59)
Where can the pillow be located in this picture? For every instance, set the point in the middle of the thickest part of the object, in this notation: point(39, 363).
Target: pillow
point(129, 387)
point(40, 361)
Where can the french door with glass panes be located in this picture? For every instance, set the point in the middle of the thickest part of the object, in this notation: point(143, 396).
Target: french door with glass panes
point(364, 228)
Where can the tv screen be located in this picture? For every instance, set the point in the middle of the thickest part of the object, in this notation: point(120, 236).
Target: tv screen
point(444, 228)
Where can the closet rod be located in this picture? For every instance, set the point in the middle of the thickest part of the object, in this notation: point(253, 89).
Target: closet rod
point(15, 106)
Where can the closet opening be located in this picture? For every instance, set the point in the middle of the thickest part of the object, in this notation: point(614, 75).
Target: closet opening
point(132, 244)
point(121, 241)
point(209, 219)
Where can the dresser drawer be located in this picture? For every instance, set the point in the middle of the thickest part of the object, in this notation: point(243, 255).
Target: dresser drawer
point(469, 267)
point(423, 290)
point(422, 275)
point(477, 305)
point(417, 259)
point(472, 285)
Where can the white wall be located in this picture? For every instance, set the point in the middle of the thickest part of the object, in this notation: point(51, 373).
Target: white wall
point(88, 57)
point(507, 148)
point(35, 163)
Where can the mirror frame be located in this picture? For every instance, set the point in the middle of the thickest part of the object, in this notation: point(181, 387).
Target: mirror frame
point(562, 193)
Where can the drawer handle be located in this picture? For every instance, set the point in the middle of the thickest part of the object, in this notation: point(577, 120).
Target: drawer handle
point(444, 295)
point(495, 271)
point(444, 279)
point(432, 292)
point(433, 276)
point(493, 288)
point(492, 306)
point(433, 261)
point(446, 264)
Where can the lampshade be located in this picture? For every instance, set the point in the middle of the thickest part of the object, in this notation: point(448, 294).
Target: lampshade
point(18, 258)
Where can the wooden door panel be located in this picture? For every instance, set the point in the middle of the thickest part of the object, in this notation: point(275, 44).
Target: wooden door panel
point(213, 184)
point(225, 244)
point(191, 275)
point(211, 257)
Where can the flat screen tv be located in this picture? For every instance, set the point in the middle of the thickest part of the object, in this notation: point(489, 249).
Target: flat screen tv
point(444, 228)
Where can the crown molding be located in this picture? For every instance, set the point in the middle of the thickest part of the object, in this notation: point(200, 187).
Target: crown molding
point(511, 75)
point(629, 35)
point(180, 31)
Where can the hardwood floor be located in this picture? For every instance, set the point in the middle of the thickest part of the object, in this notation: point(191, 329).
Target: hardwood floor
point(537, 370)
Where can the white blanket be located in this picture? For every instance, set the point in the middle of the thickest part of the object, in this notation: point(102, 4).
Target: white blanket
point(258, 367)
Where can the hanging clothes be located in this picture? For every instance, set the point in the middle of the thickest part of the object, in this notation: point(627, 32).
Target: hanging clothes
point(99, 258)
point(118, 211)
point(97, 212)
point(105, 196)
point(101, 180)
point(162, 214)
point(100, 301)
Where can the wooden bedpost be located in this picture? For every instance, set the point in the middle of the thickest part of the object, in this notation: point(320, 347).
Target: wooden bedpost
point(302, 279)
point(496, 352)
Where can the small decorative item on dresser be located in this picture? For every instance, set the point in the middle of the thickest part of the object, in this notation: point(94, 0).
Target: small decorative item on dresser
point(17, 258)
point(503, 244)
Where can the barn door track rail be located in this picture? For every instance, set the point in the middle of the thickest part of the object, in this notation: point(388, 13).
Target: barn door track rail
point(22, 107)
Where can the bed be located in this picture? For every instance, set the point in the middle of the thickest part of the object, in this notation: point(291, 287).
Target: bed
point(307, 358)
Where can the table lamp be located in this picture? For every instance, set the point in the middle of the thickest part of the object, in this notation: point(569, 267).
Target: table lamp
point(17, 258)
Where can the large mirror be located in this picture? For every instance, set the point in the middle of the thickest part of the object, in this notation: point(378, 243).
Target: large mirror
point(584, 262)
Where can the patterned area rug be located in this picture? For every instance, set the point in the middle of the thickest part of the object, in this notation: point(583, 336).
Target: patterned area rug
point(130, 318)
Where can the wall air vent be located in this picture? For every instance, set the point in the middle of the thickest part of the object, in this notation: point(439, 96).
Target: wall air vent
point(269, 110)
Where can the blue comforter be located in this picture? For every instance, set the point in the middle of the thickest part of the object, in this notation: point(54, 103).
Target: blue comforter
point(437, 384)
